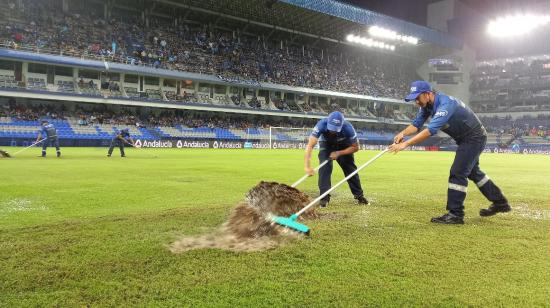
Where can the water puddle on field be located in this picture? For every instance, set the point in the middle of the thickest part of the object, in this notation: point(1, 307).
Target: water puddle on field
point(19, 205)
point(523, 210)
point(248, 227)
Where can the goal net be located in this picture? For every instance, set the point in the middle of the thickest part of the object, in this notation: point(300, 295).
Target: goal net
point(280, 137)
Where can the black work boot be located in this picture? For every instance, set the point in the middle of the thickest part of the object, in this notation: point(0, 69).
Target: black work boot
point(323, 204)
point(58, 154)
point(494, 209)
point(449, 219)
point(362, 200)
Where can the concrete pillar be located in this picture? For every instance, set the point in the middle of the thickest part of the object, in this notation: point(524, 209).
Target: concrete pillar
point(24, 72)
point(65, 5)
point(161, 87)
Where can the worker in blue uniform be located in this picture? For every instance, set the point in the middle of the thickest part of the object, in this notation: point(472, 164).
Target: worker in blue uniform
point(121, 138)
point(49, 135)
point(337, 141)
point(458, 121)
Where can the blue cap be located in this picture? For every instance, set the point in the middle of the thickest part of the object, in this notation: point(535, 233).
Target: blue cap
point(335, 121)
point(418, 87)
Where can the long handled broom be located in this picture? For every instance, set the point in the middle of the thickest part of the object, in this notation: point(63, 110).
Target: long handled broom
point(291, 223)
point(30, 146)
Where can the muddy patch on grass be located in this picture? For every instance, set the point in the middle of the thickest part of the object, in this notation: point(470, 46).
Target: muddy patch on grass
point(249, 227)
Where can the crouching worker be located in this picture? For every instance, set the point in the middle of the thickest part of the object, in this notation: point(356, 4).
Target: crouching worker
point(337, 141)
point(49, 133)
point(121, 138)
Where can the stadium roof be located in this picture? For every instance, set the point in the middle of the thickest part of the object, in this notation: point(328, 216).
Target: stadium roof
point(324, 19)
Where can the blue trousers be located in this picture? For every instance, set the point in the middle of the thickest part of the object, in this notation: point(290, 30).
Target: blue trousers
point(347, 163)
point(466, 167)
point(119, 144)
point(54, 142)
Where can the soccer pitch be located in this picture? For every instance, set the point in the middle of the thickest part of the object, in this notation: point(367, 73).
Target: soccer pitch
point(90, 230)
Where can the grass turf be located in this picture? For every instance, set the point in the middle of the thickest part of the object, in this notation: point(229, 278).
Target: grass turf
point(90, 230)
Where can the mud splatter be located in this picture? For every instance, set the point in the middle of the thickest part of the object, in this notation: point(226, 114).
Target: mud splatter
point(249, 227)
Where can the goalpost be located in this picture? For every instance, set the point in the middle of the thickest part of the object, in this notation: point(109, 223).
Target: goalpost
point(288, 135)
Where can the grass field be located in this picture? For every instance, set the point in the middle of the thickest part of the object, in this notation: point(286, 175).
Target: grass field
point(90, 230)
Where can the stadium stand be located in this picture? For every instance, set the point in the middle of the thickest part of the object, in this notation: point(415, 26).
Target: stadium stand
point(512, 85)
point(101, 123)
point(512, 97)
point(203, 49)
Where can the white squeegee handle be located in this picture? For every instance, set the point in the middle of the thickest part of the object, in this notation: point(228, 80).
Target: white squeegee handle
point(340, 183)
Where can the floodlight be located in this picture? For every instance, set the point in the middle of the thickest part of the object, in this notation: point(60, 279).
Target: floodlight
point(515, 25)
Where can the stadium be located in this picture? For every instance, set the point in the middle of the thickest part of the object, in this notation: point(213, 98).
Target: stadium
point(237, 153)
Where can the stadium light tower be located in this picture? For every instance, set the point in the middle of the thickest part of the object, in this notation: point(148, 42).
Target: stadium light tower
point(515, 25)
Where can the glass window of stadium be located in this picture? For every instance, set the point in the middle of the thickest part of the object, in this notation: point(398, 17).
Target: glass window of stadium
point(263, 93)
point(11, 68)
point(37, 68)
point(169, 83)
point(234, 90)
point(7, 65)
point(63, 71)
point(131, 78)
point(289, 96)
point(151, 81)
point(249, 93)
point(88, 74)
point(205, 88)
point(219, 89)
point(110, 76)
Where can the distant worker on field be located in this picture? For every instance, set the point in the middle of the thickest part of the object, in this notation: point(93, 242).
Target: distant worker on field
point(49, 135)
point(121, 138)
point(457, 120)
point(337, 141)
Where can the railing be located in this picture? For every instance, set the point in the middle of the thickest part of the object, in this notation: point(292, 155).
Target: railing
point(8, 44)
